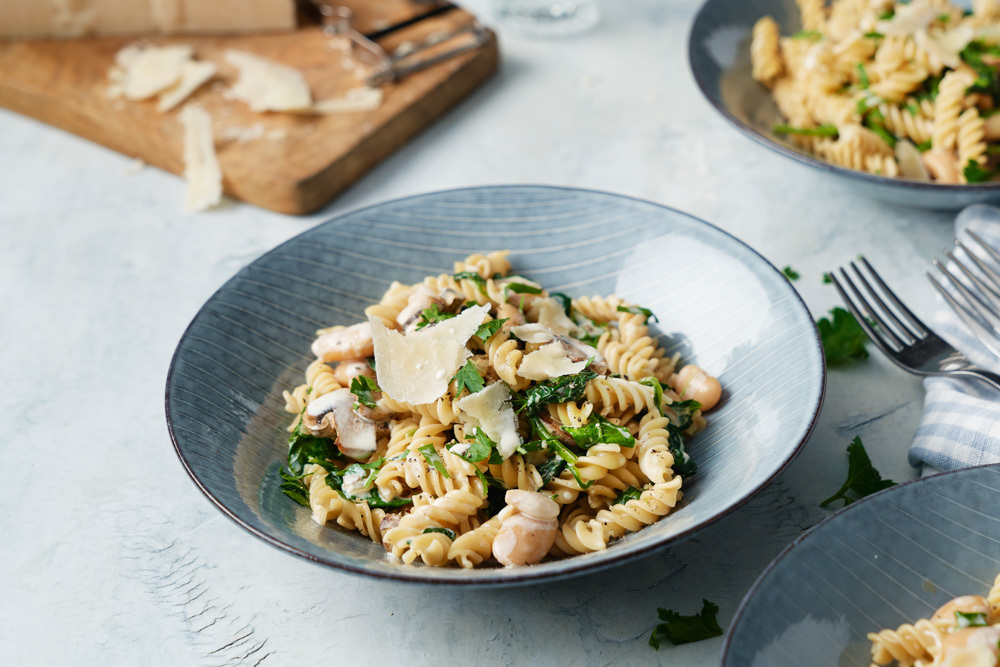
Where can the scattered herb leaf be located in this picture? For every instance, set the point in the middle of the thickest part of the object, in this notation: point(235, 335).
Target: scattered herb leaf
point(679, 629)
point(551, 469)
point(790, 273)
point(811, 35)
point(842, 336)
point(863, 80)
point(975, 173)
point(862, 478)
point(827, 279)
point(554, 445)
point(971, 620)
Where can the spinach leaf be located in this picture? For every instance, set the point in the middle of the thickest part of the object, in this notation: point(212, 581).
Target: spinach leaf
point(433, 315)
point(296, 490)
point(975, 173)
point(565, 301)
point(555, 390)
point(685, 412)
point(862, 478)
point(684, 465)
point(521, 288)
point(304, 448)
point(636, 310)
point(987, 81)
point(468, 377)
point(679, 629)
point(790, 273)
point(631, 493)
point(433, 458)
point(820, 131)
point(842, 336)
point(487, 330)
point(811, 35)
point(371, 362)
point(971, 620)
point(553, 444)
point(375, 500)
point(551, 469)
point(444, 531)
point(657, 391)
point(599, 430)
point(363, 386)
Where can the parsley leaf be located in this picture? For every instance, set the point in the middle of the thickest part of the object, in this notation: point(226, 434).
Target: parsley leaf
point(487, 330)
point(827, 279)
point(631, 493)
point(599, 430)
point(474, 277)
point(444, 531)
point(975, 173)
point(555, 390)
point(862, 478)
point(636, 310)
point(363, 386)
point(842, 336)
point(433, 458)
point(924, 146)
point(820, 131)
point(679, 629)
point(469, 378)
point(433, 315)
point(790, 273)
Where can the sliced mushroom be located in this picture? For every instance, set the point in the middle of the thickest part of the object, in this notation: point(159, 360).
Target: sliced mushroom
point(556, 428)
point(577, 350)
point(511, 313)
point(333, 415)
point(423, 298)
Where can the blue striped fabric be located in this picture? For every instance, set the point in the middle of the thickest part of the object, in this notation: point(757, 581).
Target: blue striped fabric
point(961, 422)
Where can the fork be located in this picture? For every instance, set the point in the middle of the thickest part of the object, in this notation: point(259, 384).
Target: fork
point(908, 342)
point(981, 310)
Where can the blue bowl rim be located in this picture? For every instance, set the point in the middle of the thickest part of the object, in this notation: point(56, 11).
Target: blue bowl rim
point(728, 640)
point(525, 575)
point(808, 160)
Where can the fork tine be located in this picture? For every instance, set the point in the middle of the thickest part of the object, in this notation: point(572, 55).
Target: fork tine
point(990, 274)
point(985, 246)
point(921, 328)
point(993, 307)
point(984, 336)
point(974, 304)
point(889, 347)
point(901, 328)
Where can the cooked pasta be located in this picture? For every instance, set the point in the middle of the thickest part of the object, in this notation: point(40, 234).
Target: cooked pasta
point(963, 631)
point(895, 89)
point(477, 419)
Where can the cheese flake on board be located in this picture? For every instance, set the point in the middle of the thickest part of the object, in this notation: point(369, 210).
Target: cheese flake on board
point(547, 362)
point(201, 166)
point(193, 74)
point(142, 72)
point(266, 85)
point(416, 368)
point(490, 409)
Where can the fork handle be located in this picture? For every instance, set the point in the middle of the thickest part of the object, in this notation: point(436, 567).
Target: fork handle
point(980, 374)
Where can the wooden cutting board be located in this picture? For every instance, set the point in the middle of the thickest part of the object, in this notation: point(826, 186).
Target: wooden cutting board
point(301, 161)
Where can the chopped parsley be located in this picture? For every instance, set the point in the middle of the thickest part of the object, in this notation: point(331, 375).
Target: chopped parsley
point(679, 629)
point(363, 387)
point(827, 279)
point(434, 459)
point(433, 315)
point(842, 336)
point(790, 273)
point(862, 478)
point(469, 378)
point(976, 173)
point(487, 330)
point(924, 146)
point(636, 310)
point(886, 15)
point(820, 131)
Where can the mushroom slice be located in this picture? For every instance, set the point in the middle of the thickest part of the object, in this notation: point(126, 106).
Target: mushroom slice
point(355, 434)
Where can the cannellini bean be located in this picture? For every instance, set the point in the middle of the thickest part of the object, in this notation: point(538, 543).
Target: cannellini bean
point(692, 382)
point(528, 528)
point(942, 165)
point(967, 604)
point(348, 370)
point(349, 343)
point(976, 646)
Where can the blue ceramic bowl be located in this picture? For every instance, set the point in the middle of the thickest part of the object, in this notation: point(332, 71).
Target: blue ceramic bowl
point(720, 304)
point(719, 55)
point(885, 560)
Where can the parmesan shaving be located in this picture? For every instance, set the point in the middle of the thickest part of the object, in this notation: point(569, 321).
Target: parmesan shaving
point(192, 75)
point(490, 410)
point(142, 72)
point(908, 19)
point(911, 164)
point(266, 85)
point(532, 333)
point(416, 368)
point(552, 315)
point(945, 46)
point(547, 362)
point(201, 167)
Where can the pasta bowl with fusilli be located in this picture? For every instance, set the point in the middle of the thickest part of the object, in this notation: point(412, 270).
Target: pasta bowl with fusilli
point(899, 99)
point(442, 389)
point(907, 576)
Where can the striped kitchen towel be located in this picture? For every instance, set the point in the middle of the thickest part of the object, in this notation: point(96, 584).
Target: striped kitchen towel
point(961, 422)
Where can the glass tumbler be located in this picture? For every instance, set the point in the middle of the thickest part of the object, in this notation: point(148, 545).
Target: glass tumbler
point(547, 18)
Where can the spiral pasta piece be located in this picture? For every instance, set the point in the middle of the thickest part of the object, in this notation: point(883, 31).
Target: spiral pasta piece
point(505, 355)
point(487, 266)
point(607, 488)
point(321, 381)
point(614, 396)
point(447, 511)
point(441, 411)
point(993, 597)
point(948, 107)
point(765, 53)
point(906, 644)
point(599, 460)
point(328, 505)
point(516, 473)
point(598, 308)
point(655, 503)
point(970, 139)
point(570, 414)
point(813, 14)
point(577, 535)
point(475, 546)
point(392, 303)
point(904, 123)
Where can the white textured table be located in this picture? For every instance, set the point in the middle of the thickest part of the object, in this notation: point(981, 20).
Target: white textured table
point(110, 554)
